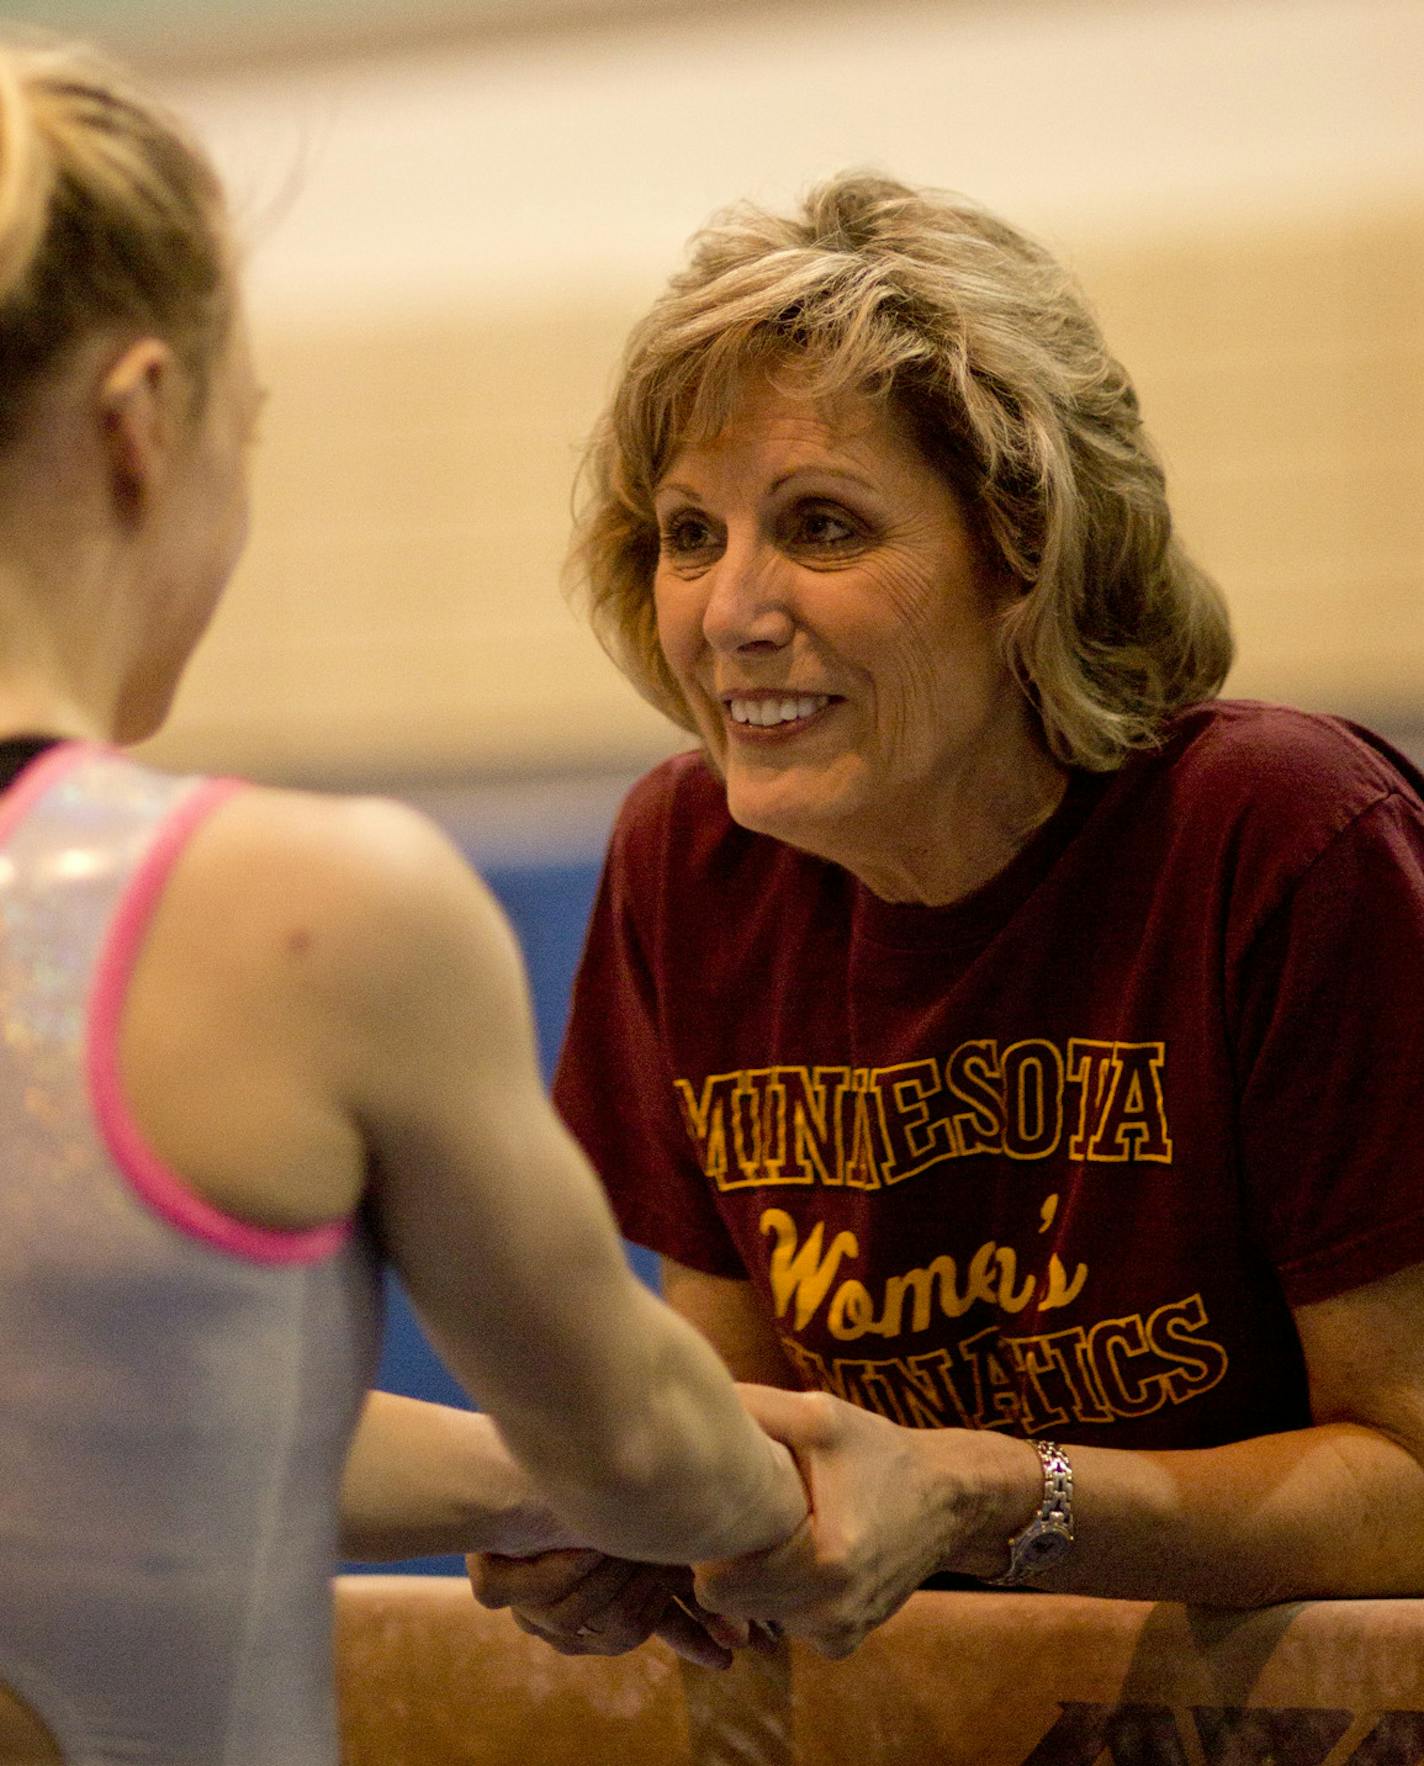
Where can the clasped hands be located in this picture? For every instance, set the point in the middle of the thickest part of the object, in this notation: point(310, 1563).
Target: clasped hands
point(882, 1518)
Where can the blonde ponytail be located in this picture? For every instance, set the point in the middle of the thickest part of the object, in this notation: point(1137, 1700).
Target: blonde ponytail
point(26, 180)
point(111, 218)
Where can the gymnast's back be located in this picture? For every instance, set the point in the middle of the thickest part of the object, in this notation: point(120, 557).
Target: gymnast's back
point(178, 1386)
point(253, 1042)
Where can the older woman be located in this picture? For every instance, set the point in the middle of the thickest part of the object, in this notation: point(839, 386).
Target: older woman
point(993, 1031)
point(255, 1043)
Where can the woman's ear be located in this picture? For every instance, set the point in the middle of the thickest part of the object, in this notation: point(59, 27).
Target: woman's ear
point(139, 404)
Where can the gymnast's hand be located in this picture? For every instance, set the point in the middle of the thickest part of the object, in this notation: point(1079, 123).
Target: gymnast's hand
point(888, 1509)
point(583, 1603)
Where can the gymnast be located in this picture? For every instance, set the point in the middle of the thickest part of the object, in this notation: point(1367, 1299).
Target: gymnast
point(256, 1043)
point(996, 1033)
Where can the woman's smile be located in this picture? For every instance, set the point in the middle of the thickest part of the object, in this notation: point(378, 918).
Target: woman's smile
point(764, 715)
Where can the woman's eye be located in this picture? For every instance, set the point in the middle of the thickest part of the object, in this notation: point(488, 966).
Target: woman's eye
point(826, 528)
point(685, 534)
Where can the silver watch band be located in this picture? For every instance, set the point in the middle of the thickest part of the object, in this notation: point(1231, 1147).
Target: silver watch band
point(1049, 1535)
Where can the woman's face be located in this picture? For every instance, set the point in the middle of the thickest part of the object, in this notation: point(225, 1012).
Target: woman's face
point(823, 606)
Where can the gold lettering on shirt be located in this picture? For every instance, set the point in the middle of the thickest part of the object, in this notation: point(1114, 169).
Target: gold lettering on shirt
point(871, 1127)
point(803, 1275)
point(1119, 1368)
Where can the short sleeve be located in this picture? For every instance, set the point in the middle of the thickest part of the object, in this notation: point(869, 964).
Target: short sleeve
point(1330, 1041)
point(613, 1086)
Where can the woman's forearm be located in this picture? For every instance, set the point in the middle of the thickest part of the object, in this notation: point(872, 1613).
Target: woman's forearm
point(1329, 1511)
point(426, 1479)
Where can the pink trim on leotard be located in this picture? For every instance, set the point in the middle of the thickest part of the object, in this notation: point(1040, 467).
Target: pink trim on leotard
point(35, 778)
point(155, 1182)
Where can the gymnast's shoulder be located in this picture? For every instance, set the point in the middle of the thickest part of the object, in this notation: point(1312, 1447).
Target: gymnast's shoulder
point(358, 896)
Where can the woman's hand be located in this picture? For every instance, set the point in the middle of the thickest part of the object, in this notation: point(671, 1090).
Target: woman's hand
point(583, 1603)
point(1332, 1511)
point(889, 1507)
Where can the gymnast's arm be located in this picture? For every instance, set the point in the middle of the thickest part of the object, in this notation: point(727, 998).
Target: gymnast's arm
point(507, 1246)
point(425, 1479)
point(329, 976)
point(581, 1607)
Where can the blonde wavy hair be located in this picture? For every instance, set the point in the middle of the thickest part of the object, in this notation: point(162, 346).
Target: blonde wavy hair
point(985, 347)
point(111, 218)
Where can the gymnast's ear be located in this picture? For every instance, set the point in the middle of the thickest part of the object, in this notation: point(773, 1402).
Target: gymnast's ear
point(142, 396)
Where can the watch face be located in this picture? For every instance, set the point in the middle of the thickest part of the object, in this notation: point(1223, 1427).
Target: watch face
point(1045, 1546)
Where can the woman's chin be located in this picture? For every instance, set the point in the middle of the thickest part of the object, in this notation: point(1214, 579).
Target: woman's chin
point(786, 810)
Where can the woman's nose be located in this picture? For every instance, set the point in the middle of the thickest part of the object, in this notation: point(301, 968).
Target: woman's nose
point(747, 603)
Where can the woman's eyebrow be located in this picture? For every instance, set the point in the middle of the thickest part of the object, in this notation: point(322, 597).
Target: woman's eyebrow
point(816, 471)
point(675, 487)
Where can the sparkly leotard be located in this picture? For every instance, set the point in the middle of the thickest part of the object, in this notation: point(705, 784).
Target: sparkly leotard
point(177, 1389)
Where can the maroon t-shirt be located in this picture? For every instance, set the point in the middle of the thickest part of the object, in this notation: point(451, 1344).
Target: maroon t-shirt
point(1058, 1158)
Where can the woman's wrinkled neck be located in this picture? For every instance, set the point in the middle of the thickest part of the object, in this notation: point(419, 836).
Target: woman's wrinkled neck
point(962, 828)
point(966, 841)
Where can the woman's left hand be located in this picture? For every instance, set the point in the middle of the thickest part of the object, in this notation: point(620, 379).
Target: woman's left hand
point(889, 1507)
point(585, 1603)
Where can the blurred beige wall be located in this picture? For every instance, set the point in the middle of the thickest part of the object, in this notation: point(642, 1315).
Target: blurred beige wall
point(448, 251)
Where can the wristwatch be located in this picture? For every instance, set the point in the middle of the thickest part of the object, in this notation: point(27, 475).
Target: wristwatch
point(1049, 1535)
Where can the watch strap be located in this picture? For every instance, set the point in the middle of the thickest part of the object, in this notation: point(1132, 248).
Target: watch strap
point(1049, 1535)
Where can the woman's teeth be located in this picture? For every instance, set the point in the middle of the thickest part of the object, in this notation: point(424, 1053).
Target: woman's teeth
point(776, 711)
